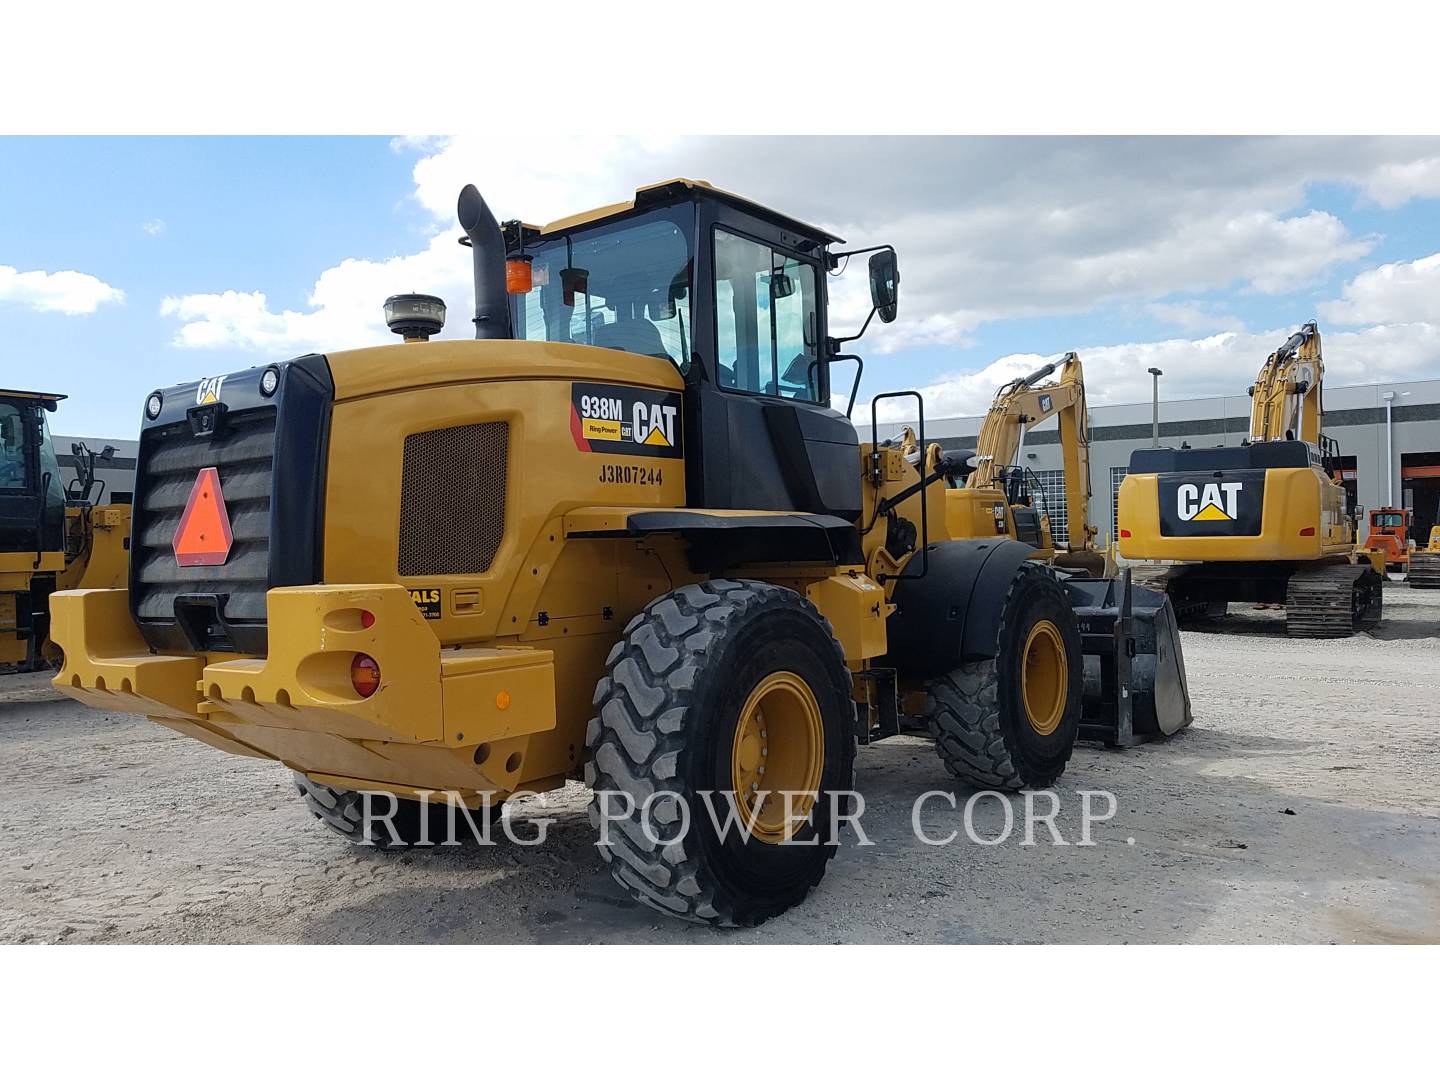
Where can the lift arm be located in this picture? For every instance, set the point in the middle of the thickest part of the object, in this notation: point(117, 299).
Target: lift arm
point(1286, 395)
point(1021, 404)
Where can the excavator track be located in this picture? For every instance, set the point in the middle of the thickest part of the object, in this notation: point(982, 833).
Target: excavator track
point(1332, 601)
point(1424, 570)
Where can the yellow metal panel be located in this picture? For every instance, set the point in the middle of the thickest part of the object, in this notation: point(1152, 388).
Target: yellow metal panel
point(22, 565)
point(856, 608)
point(449, 362)
point(497, 693)
point(1295, 500)
point(109, 666)
point(315, 633)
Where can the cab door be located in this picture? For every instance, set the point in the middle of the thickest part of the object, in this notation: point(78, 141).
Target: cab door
point(763, 436)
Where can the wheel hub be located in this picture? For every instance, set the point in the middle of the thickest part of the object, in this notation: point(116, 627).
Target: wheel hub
point(779, 747)
point(1045, 677)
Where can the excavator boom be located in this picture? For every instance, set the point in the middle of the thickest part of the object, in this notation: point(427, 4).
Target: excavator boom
point(1019, 406)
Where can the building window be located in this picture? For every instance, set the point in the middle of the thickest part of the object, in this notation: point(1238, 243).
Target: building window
point(1117, 474)
point(1052, 483)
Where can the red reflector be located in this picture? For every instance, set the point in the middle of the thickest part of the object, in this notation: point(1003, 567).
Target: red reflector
point(203, 537)
point(367, 619)
point(1309, 530)
point(364, 674)
point(1124, 534)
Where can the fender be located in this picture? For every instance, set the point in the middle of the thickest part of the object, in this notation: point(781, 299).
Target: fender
point(952, 614)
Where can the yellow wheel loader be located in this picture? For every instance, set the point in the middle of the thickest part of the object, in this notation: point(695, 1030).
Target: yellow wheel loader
point(52, 535)
point(622, 536)
point(1264, 522)
point(1423, 569)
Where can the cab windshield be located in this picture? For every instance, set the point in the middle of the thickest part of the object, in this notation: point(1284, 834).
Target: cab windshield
point(1388, 520)
point(623, 286)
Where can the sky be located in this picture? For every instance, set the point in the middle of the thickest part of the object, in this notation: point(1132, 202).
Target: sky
point(132, 263)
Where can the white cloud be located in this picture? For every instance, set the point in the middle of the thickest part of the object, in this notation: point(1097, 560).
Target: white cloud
point(153, 227)
point(1194, 316)
point(67, 291)
point(1220, 364)
point(345, 305)
point(987, 229)
point(1397, 292)
point(1394, 183)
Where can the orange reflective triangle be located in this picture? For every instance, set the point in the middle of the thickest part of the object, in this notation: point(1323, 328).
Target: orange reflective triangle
point(204, 537)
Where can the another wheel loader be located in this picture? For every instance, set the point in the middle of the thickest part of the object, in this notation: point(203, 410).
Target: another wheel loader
point(620, 536)
point(52, 534)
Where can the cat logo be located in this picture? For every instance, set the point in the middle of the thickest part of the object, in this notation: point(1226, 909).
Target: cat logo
point(1046, 403)
point(1213, 502)
point(654, 425)
point(208, 392)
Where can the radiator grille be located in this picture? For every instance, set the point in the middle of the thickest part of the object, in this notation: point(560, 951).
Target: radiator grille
point(452, 499)
point(243, 454)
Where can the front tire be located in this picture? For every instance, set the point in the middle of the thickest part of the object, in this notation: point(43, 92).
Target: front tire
point(1010, 722)
point(717, 692)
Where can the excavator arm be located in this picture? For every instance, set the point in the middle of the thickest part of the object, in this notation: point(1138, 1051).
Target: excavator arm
point(1021, 404)
point(1286, 397)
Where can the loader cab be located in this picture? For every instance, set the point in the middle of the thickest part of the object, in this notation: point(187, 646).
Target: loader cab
point(734, 295)
point(32, 495)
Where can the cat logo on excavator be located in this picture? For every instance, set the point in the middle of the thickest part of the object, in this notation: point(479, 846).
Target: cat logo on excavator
point(1213, 502)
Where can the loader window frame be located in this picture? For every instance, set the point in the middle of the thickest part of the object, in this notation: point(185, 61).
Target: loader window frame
point(634, 274)
point(16, 462)
point(768, 312)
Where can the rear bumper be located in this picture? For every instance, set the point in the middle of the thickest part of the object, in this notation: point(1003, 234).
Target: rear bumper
point(453, 718)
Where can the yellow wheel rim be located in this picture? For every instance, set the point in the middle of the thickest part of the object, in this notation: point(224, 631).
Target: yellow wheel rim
point(779, 747)
point(1045, 677)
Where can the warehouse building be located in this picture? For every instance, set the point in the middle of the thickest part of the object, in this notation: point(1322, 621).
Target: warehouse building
point(1389, 435)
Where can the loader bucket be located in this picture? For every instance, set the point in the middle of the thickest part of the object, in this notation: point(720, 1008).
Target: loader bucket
point(1135, 685)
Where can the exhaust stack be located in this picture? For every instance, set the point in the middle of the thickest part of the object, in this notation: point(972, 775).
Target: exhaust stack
point(487, 247)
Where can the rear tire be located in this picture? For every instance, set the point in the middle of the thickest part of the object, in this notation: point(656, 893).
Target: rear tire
point(985, 730)
point(674, 720)
point(343, 811)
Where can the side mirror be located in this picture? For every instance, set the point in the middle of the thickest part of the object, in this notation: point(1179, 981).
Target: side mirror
point(884, 284)
point(781, 285)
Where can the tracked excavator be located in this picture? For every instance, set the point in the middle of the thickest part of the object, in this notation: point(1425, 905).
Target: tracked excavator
point(1019, 406)
point(1423, 570)
point(1265, 522)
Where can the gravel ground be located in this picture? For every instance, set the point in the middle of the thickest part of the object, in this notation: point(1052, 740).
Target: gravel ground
point(1301, 807)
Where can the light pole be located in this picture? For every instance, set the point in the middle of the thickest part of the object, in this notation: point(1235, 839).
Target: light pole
point(1155, 407)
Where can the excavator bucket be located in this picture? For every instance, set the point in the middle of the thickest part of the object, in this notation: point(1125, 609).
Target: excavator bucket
point(1135, 687)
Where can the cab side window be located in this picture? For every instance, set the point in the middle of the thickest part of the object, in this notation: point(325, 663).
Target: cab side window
point(766, 325)
point(12, 448)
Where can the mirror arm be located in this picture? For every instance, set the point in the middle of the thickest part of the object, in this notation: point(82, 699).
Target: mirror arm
point(861, 332)
point(832, 258)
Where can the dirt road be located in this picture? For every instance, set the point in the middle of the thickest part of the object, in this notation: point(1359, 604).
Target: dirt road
point(1303, 806)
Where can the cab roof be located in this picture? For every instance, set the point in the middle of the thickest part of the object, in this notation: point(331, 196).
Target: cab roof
point(33, 395)
point(677, 190)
